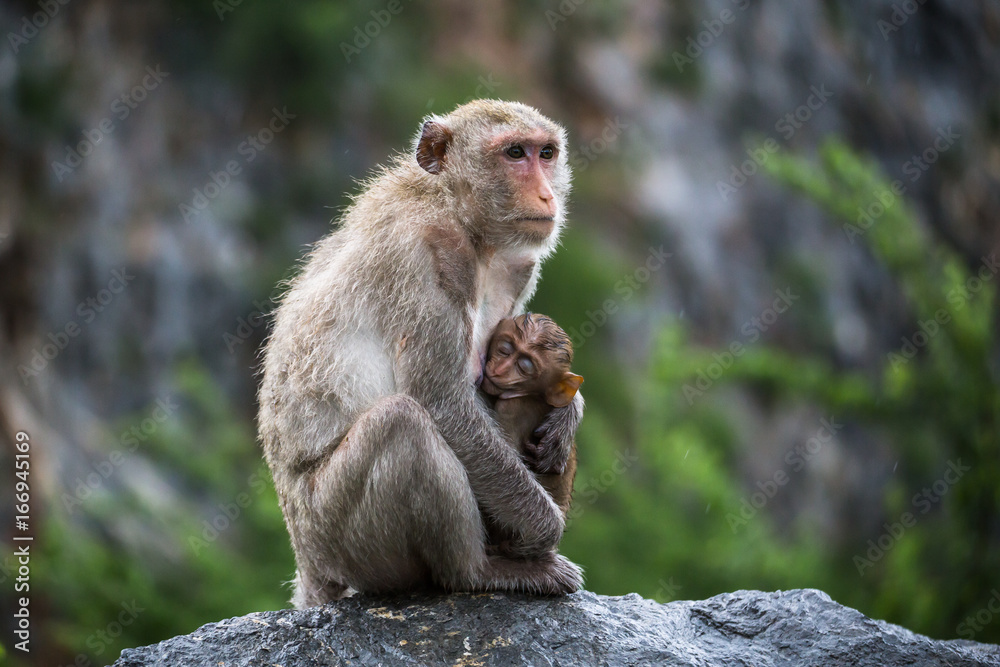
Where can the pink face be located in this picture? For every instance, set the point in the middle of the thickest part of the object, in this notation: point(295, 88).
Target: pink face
point(530, 160)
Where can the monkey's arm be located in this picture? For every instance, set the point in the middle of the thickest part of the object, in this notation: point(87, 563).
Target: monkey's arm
point(433, 369)
point(555, 438)
point(560, 487)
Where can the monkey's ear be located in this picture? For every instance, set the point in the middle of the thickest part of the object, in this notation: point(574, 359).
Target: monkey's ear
point(561, 394)
point(432, 148)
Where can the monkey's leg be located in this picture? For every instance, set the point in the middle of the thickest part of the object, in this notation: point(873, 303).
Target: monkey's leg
point(392, 507)
point(401, 513)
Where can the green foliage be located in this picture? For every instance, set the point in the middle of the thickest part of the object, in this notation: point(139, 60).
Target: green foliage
point(936, 395)
point(658, 494)
point(662, 516)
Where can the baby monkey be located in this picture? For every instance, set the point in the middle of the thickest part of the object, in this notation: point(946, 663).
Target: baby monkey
point(527, 374)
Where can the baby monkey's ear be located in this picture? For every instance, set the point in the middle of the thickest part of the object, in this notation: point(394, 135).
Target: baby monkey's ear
point(562, 392)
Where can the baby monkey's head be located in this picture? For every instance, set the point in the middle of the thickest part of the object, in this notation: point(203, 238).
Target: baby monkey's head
point(529, 355)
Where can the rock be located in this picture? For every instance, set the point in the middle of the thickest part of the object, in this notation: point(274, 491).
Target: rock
point(799, 627)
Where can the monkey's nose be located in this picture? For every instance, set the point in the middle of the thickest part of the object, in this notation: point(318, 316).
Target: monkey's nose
point(545, 192)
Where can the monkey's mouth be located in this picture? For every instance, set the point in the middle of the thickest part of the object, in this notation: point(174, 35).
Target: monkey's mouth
point(488, 386)
point(537, 227)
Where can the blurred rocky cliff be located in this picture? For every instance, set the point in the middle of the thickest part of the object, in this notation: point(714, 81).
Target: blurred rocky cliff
point(163, 165)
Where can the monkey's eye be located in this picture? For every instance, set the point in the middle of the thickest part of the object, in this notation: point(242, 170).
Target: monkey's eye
point(504, 349)
point(515, 152)
point(547, 153)
point(526, 366)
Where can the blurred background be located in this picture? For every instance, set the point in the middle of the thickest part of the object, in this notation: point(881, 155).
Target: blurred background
point(780, 276)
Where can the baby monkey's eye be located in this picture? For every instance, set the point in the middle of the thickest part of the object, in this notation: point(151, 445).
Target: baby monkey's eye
point(526, 365)
point(547, 153)
point(505, 348)
point(515, 152)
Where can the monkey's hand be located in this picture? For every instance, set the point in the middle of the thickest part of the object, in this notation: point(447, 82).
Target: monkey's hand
point(550, 452)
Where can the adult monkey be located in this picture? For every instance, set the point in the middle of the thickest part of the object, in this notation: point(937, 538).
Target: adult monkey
point(383, 456)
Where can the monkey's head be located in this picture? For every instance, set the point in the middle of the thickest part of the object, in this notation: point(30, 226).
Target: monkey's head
point(529, 355)
point(506, 166)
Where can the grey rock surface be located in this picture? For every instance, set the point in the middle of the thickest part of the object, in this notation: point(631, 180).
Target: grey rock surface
point(751, 628)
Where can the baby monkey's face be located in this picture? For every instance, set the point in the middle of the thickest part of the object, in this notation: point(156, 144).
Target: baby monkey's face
point(529, 355)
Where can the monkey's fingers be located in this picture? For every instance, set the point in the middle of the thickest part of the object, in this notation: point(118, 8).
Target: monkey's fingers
point(530, 454)
point(544, 460)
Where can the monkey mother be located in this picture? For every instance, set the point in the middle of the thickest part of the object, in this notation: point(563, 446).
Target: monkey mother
point(383, 456)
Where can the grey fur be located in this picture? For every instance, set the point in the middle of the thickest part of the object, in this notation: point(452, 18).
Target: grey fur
point(383, 456)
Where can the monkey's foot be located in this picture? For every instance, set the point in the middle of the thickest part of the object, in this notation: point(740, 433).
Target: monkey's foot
point(551, 574)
